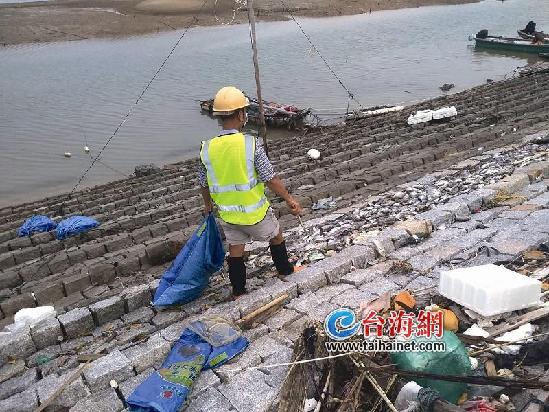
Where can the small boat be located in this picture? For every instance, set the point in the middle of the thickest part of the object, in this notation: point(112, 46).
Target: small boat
point(276, 115)
point(510, 44)
point(527, 36)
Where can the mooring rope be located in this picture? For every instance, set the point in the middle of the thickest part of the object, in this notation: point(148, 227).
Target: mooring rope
point(349, 93)
point(130, 110)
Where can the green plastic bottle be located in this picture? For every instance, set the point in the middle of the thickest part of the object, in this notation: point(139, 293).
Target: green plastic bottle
point(453, 361)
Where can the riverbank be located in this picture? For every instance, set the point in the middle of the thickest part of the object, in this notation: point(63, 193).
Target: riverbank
point(475, 188)
point(70, 20)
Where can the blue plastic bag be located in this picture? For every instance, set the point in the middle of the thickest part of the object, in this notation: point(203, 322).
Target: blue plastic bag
point(189, 273)
point(74, 225)
point(167, 389)
point(36, 223)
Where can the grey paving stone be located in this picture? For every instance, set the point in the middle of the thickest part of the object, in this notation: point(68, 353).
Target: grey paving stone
point(258, 394)
point(423, 262)
point(209, 400)
point(380, 286)
point(421, 282)
point(327, 293)
point(281, 318)
point(173, 332)
point(252, 301)
point(105, 401)
point(115, 365)
point(541, 200)
point(75, 391)
point(129, 385)
point(137, 297)
point(538, 220)
point(360, 255)
point(207, 379)
point(353, 298)
point(165, 318)
point(309, 279)
point(256, 332)
point(279, 288)
point(515, 214)
point(399, 236)
point(16, 344)
point(437, 217)
point(460, 210)
point(107, 310)
point(361, 276)
point(47, 333)
point(19, 383)
point(9, 279)
point(139, 316)
point(77, 322)
point(275, 376)
point(44, 356)
point(335, 267)
point(26, 401)
point(149, 353)
point(9, 370)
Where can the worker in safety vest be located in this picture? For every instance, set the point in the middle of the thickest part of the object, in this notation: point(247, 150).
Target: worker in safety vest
point(233, 173)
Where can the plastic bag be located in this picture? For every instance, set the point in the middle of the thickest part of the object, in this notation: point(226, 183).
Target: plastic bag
point(166, 390)
point(36, 223)
point(74, 225)
point(453, 361)
point(188, 275)
point(215, 330)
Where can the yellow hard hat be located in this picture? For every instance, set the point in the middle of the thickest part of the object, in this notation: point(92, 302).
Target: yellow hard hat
point(229, 99)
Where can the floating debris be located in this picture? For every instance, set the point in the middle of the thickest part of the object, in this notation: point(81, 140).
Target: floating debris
point(67, 154)
point(447, 86)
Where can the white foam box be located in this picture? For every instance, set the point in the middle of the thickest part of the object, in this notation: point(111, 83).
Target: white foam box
point(489, 289)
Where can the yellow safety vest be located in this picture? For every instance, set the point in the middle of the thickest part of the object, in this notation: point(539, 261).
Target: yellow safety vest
point(232, 179)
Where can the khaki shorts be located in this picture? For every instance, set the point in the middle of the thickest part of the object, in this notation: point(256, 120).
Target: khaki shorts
point(263, 231)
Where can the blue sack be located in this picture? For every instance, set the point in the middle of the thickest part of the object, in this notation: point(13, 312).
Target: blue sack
point(167, 389)
point(189, 273)
point(36, 223)
point(74, 225)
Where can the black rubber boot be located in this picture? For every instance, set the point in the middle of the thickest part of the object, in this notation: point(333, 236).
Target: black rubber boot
point(280, 259)
point(237, 275)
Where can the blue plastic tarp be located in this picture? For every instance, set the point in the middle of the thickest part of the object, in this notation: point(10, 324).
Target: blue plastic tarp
point(189, 273)
point(36, 223)
point(165, 390)
point(74, 225)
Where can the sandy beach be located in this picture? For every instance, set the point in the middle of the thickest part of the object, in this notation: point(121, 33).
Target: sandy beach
point(70, 20)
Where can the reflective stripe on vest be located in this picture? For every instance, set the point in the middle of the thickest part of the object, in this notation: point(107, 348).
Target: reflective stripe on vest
point(235, 188)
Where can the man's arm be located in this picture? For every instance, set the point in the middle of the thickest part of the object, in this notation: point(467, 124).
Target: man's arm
point(204, 191)
point(276, 185)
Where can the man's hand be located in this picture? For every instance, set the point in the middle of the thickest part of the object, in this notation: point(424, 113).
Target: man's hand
point(208, 208)
point(295, 207)
point(208, 203)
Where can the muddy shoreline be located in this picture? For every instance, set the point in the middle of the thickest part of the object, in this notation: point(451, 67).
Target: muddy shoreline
point(71, 20)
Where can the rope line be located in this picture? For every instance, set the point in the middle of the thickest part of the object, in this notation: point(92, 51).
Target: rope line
point(349, 93)
point(129, 112)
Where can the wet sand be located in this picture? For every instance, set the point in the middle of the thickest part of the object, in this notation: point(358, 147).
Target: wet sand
point(70, 20)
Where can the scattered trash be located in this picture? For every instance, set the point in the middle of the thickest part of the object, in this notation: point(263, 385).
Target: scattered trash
point(404, 301)
point(488, 289)
point(373, 111)
point(310, 405)
point(476, 330)
point(423, 116)
point(74, 225)
point(188, 275)
point(522, 333)
point(86, 149)
point(146, 170)
point(313, 154)
point(447, 86)
point(67, 154)
point(36, 223)
point(323, 204)
point(407, 396)
point(453, 361)
point(33, 316)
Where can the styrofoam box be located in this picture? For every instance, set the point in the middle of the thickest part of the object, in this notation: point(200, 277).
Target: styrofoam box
point(489, 289)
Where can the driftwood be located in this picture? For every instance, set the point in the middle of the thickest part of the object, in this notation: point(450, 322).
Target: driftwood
point(475, 380)
point(517, 321)
point(248, 320)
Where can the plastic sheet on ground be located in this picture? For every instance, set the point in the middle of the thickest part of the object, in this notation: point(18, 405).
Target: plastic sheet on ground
point(75, 225)
point(166, 390)
point(36, 223)
point(188, 275)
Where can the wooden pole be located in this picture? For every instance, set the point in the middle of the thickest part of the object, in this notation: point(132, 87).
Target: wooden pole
point(262, 126)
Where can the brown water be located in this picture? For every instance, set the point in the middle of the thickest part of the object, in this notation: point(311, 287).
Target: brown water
point(59, 97)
